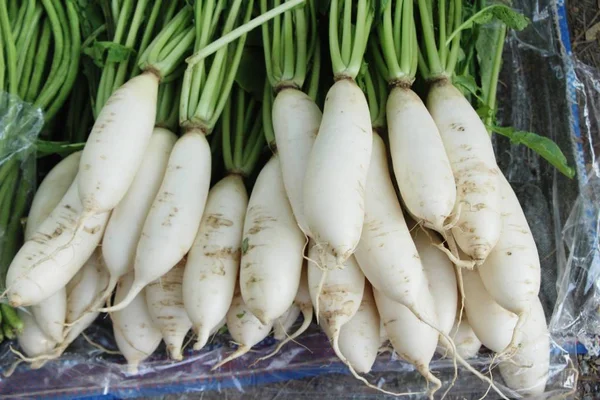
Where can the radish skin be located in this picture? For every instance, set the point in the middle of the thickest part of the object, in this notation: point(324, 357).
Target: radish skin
point(511, 274)
point(359, 337)
point(473, 162)
point(174, 218)
point(212, 265)
point(164, 299)
point(127, 219)
point(134, 331)
point(51, 191)
point(421, 165)
point(51, 314)
point(336, 175)
point(386, 252)
point(283, 324)
point(246, 330)
point(296, 120)
point(115, 148)
point(302, 303)
point(528, 370)
point(412, 339)
point(273, 255)
point(54, 254)
point(492, 324)
point(441, 278)
point(33, 340)
point(467, 343)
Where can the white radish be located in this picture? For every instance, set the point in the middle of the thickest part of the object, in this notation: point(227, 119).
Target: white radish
point(421, 165)
point(336, 175)
point(360, 337)
point(54, 254)
point(164, 298)
point(476, 173)
point(115, 148)
point(246, 330)
point(441, 278)
point(283, 324)
point(213, 262)
point(33, 340)
point(272, 253)
point(51, 313)
point(511, 273)
point(127, 219)
point(296, 120)
point(412, 339)
point(492, 324)
point(528, 370)
point(467, 343)
point(336, 294)
point(302, 303)
point(174, 218)
point(51, 191)
point(134, 331)
point(386, 252)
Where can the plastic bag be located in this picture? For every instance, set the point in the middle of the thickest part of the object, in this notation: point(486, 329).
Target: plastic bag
point(20, 125)
point(541, 86)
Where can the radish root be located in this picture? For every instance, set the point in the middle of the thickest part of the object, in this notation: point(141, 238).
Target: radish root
point(236, 354)
point(307, 312)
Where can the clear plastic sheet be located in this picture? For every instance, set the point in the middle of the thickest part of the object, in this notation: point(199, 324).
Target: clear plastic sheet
point(543, 90)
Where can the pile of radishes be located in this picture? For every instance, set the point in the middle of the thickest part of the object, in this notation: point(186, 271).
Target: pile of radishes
point(447, 266)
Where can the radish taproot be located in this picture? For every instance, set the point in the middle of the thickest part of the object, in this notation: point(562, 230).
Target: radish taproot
point(492, 324)
point(134, 331)
point(246, 330)
point(164, 298)
point(477, 224)
point(529, 369)
point(511, 273)
point(211, 271)
point(295, 116)
point(51, 314)
point(272, 255)
point(338, 164)
point(174, 217)
point(55, 252)
point(51, 191)
point(33, 340)
point(127, 219)
point(467, 342)
point(421, 166)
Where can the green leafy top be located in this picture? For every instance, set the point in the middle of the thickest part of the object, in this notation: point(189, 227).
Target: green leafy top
point(439, 56)
point(289, 42)
point(349, 27)
point(372, 82)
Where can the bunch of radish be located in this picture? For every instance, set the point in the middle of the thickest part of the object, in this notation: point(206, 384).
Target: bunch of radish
point(447, 266)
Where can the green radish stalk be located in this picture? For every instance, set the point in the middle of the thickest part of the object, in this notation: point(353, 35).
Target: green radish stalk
point(336, 174)
point(421, 166)
point(164, 298)
point(213, 262)
point(246, 330)
point(464, 135)
point(295, 116)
